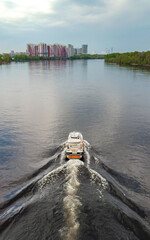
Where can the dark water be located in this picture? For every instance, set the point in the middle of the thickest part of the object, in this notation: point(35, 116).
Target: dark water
point(44, 197)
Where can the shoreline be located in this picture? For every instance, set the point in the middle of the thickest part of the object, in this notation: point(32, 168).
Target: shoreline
point(29, 59)
point(133, 59)
point(130, 65)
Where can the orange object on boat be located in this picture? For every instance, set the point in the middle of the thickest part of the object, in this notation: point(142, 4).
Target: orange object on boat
point(74, 156)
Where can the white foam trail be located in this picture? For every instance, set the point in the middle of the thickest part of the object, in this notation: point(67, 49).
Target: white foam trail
point(96, 176)
point(86, 152)
point(63, 155)
point(71, 201)
point(87, 157)
point(51, 176)
point(96, 160)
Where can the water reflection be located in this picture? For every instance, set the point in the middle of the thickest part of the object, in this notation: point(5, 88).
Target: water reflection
point(41, 102)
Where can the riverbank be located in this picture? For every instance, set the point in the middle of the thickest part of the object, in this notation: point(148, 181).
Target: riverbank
point(4, 59)
point(87, 56)
point(19, 58)
point(141, 59)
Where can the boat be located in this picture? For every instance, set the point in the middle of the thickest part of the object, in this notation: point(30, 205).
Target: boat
point(75, 146)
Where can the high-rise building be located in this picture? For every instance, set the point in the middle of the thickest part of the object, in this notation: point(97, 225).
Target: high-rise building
point(59, 50)
point(42, 49)
point(75, 51)
point(84, 49)
point(35, 50)
point(55, 50)
point(52, 51)
point(79, 51)
point(32, 49)
point(49, 49)
point(70, 50)
point(64, 51)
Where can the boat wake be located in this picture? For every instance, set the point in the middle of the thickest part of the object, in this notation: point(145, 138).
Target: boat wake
point(72, 200)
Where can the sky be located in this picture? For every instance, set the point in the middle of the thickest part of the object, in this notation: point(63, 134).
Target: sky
point(105, 25)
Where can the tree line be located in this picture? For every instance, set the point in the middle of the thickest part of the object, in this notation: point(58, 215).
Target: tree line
point(129, 58)
point(23, 58)
point(5, 58)
point(18, 58)
point(87, 56)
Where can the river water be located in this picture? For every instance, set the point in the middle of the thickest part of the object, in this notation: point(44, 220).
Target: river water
point(43, 196)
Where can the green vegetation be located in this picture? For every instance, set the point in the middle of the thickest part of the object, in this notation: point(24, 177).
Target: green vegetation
point(133, 58)
point(5, 59)
point(87, 56)
point(23, 58)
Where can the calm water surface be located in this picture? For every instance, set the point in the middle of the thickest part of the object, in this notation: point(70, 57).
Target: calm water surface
point(44, 197)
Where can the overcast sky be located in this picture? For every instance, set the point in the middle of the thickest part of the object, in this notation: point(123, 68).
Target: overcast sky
point(123, 25)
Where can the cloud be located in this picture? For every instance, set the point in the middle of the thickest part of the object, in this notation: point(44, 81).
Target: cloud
point(14, 10)
point(9, 4)
point(76, 11)
point(72, 12)
point(112, 22)
point(54, 11)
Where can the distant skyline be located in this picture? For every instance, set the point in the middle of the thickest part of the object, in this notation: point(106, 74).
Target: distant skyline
point(123, 25)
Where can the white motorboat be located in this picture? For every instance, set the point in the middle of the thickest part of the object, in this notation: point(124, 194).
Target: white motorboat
point(75, 146)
